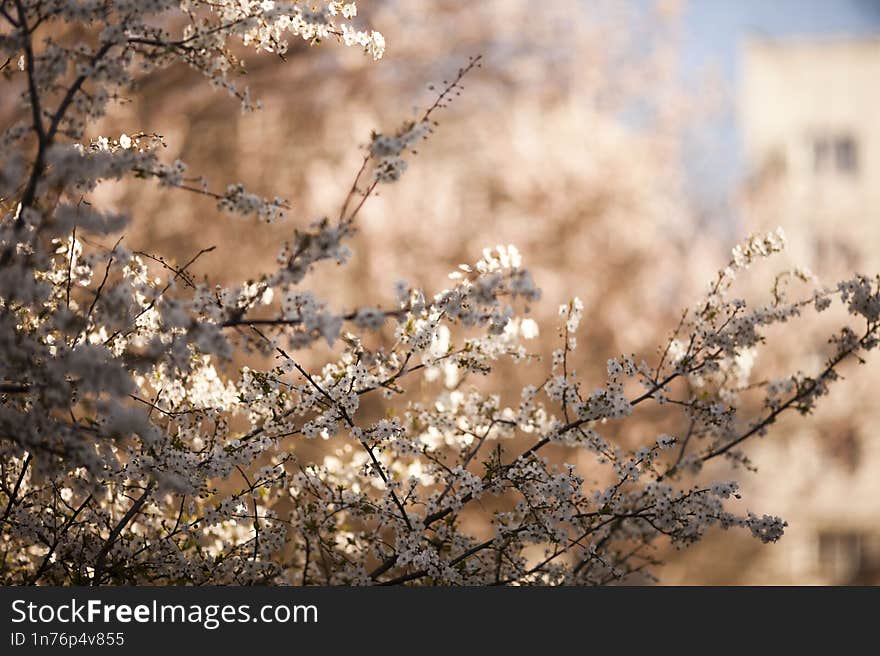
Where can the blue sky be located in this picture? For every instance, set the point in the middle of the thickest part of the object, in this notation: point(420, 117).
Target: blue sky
point(713, 30)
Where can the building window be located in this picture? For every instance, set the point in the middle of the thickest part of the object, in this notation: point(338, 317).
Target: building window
point(846, 155)
point(837, 153)
point(849, 557)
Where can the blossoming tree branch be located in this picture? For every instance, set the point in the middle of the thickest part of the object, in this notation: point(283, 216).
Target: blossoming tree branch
point(133, 450)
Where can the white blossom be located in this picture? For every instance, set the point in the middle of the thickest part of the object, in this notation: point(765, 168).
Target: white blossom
point(125, 400)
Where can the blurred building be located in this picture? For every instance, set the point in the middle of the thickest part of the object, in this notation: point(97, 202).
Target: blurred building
point(809, 113)
point(811, 141)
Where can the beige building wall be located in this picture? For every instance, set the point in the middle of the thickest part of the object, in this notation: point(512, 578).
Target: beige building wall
point(810, 124)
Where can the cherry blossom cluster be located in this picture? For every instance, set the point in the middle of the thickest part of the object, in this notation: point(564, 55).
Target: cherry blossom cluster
point(135, 449)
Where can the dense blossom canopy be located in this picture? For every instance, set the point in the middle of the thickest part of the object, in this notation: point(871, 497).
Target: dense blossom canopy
point(134, 452)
